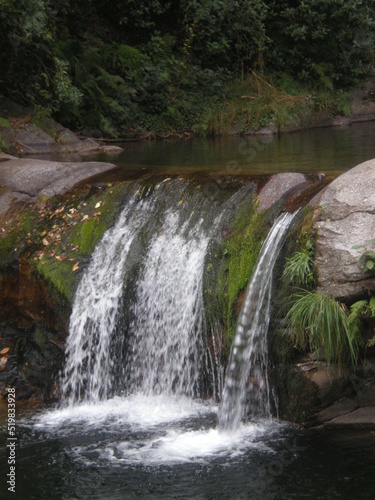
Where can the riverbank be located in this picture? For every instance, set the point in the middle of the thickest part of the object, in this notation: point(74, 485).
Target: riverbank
point(250, 107)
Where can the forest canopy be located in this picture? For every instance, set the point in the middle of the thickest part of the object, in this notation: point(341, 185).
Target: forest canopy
point(117, 64)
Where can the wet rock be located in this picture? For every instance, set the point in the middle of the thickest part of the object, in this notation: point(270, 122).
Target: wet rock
point(360, 417)
point(341, 121)
point(297, 396)
point(277, 187)
point(28, 139)
point(339, 408)
point(346, 230)
point(33, 363)
point(24, 298)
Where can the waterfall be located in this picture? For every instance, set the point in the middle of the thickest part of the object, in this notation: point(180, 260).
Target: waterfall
point(166, 333)
point(137, 319)
point(88, 369)
point(137, 325)
point(247, 366)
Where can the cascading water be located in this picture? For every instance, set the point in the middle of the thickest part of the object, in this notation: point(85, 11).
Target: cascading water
point(88, 369)
point(162, 240)
point(166, 333)
point(248, 355)
point(139, 347)
point(137, 322)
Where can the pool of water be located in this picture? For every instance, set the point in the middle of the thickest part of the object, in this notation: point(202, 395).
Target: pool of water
point(164, 448)
point(322, 149)
point(332, 150)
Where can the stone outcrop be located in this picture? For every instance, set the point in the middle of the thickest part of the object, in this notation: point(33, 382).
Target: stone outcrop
point(24, 137)
point(346, 232)
point(279, 186)
point(26, 179)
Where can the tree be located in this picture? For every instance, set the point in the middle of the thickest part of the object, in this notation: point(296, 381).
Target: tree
point(330, 40)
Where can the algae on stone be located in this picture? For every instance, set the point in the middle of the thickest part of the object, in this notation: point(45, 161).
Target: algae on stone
point(229, 267)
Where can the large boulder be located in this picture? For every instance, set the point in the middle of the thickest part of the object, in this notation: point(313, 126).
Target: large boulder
point(26, 179)
point(346, 233)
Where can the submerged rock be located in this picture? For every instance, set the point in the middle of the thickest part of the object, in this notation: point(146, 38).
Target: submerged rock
point(346, 230)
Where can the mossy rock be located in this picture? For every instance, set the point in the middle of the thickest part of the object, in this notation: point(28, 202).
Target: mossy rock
point(228, 268)
point(73, 243)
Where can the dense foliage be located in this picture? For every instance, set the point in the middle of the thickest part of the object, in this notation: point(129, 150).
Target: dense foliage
point(121, 64)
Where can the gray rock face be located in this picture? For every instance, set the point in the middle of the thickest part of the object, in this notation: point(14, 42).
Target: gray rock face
point(29, 139)
point(28, 178)
point(346, 230)
point(277, 187)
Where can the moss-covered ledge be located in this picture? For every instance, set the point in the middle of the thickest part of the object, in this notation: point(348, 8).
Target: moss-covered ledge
point(44, 247)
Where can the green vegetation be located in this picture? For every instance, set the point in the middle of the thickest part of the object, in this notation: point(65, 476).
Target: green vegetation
point(318, 322)
point(299, 269)
point(364, 310)
point(323, 324)
point(367, 261)
point(124, 67)
point(17, 234)
point(78, 226)
point(4, 123)
point(60, 235)
point(229, 269)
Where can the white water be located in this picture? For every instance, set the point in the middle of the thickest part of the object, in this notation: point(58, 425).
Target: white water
point(88, 369)
point(247, 366)
point(168, 313)
point(162, 349)
point(150, 430)
point(163, 343)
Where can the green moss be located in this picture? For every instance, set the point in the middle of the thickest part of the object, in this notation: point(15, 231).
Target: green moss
point(18, 234)
point(4, 123)
point(79, 238)
point(90, 234)
point(229, 268)
point(58, 274)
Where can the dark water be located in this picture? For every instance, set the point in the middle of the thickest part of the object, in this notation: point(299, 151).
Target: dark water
point(322, 150)
point(69, 457)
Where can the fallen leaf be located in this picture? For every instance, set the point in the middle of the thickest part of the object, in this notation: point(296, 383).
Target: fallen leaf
point(98, 204)
point(4, 351)
point(85, 218)
point(75, 267)
point(45, 242)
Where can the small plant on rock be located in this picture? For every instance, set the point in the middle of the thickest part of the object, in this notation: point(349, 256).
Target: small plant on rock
point(299, 269)
point(323, 324)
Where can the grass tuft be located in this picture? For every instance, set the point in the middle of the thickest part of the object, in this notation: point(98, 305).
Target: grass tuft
point(322, 323)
